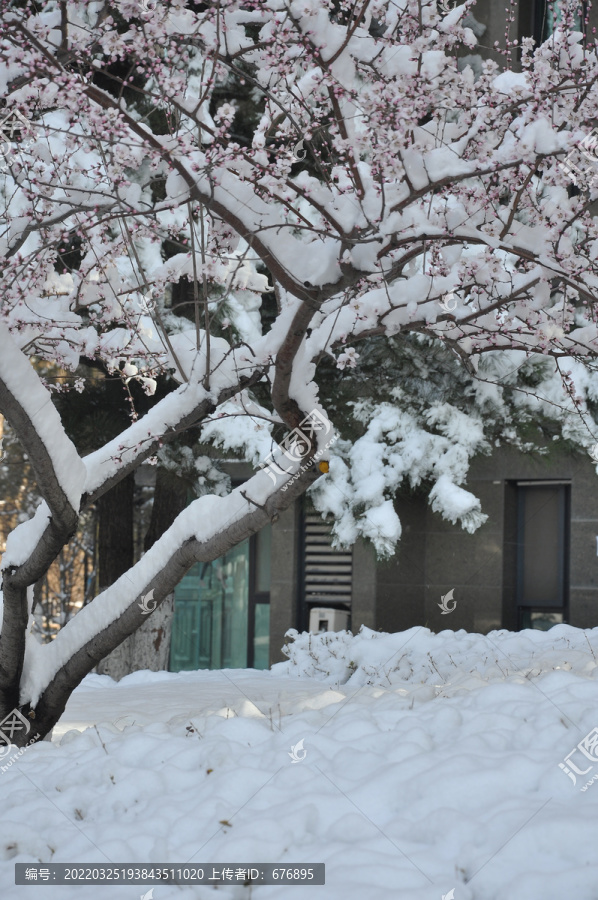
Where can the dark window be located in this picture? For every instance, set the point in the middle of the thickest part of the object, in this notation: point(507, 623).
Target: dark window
point(538, 19)
point(542, 553)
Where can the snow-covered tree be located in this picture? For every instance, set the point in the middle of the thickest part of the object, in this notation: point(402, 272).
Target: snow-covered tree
point(381, 194)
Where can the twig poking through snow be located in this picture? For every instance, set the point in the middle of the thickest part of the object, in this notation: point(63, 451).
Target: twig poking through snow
point(101, 741)
point(590, 646)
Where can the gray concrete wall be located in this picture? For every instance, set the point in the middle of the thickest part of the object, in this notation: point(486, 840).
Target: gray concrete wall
point(363, 587)
point(579, 469)
point(468, 564)
point(491, 14)
point(400, 581)
point(583, 597)
point(284, 580)
point(435, 556)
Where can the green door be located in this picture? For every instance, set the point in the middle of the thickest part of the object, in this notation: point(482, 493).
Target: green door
point(184, 643)
point(211, 605)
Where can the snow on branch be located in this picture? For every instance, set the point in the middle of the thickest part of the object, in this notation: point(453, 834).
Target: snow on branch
point(28, 407)
point(337, 180)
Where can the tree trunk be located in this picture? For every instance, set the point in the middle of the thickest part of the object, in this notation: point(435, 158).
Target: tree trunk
point(149, 646)
point(115, 557)
point(54, 697)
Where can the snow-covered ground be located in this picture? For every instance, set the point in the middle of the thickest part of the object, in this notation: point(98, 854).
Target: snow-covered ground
point(429, 764)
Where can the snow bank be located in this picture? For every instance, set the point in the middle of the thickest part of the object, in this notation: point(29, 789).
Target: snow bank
point(432, 767)
point(452, 657)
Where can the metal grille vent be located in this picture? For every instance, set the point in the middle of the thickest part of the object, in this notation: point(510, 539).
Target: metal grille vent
point(328, 572)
